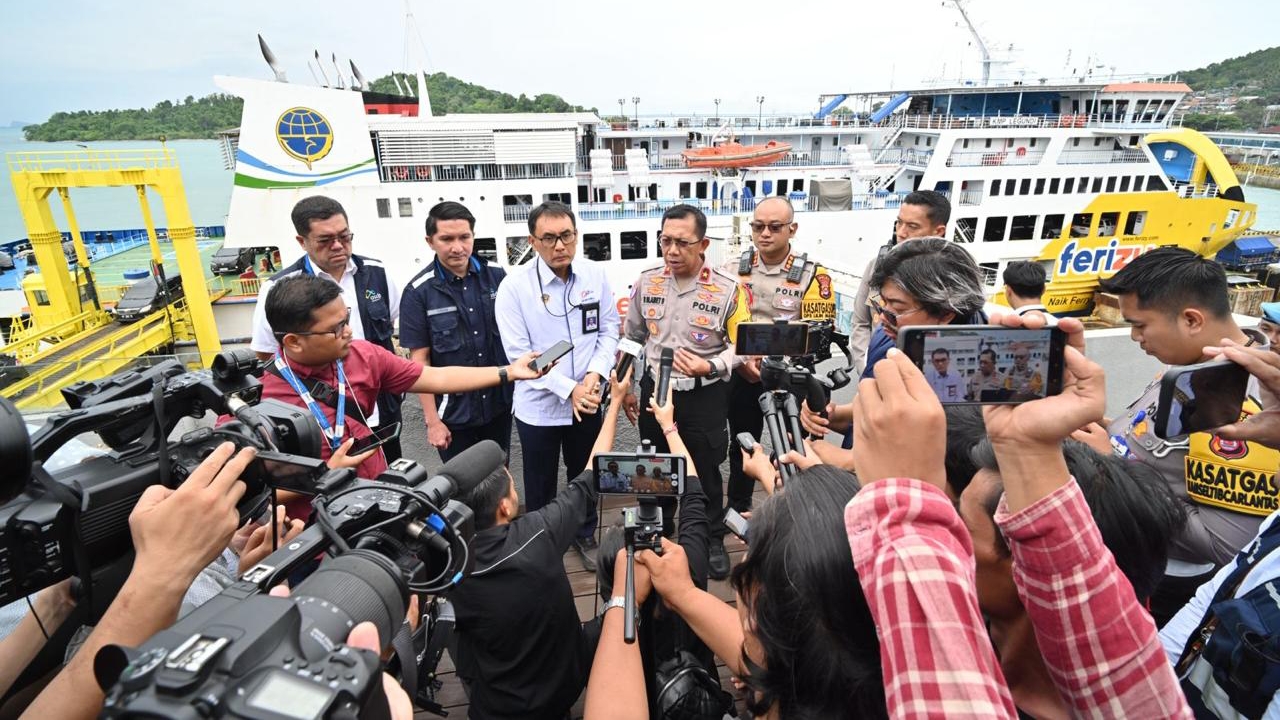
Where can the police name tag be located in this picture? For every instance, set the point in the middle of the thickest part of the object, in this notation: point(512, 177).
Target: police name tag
point(590, 317)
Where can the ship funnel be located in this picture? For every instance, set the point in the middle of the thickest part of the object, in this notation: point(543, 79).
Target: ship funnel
point(338, 71)
point(358, 82)
point(320, 67)
point(270, 57)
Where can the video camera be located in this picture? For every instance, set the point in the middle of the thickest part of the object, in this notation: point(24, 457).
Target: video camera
point(74, 521)
point(248, 654)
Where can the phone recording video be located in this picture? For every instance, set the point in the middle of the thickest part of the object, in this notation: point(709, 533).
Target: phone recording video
point(631, 474)
point(1200, 397)
point(375, 439)
point(789, 339)
point(987, 364)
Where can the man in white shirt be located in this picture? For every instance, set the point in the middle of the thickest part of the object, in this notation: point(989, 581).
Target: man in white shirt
point(559, 297)
point(947, 385)
point(326, 238)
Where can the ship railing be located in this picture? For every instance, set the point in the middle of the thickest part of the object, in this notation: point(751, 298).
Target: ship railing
point(906, 156)
point(474, 171)
point(745, 121)
point(1192, 190)
point(970, 197)
point(68, 160)
point(516, 213)
point(1020, 120)
point(1102, 157)
point(655, 208)
point(996, 158)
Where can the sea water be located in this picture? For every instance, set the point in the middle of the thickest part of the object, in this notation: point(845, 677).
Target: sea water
point(208, 187)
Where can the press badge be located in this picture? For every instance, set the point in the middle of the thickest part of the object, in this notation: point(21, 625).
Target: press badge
point(590, 317)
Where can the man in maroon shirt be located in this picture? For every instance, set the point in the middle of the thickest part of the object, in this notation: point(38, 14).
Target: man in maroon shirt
point(311, 322)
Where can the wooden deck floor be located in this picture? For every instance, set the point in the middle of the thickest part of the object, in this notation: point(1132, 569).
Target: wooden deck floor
point(451, 695)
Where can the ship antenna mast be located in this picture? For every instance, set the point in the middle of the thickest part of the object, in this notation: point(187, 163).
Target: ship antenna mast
point(411, 31)
point(977, 37)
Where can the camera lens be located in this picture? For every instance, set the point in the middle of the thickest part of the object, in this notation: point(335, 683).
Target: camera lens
point(353, 587)
point(234, 364)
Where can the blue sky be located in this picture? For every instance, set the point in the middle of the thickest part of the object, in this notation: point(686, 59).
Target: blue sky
point(676, 56)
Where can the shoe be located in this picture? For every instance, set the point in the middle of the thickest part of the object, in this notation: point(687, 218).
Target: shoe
point(719, 560)
point(587, 548)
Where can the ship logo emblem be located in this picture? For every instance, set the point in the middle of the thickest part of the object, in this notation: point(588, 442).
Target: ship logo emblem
point(304, 134)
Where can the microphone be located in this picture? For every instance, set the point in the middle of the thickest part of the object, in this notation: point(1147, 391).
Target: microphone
point(664, 374)
point(627, 351)
point(464, 472)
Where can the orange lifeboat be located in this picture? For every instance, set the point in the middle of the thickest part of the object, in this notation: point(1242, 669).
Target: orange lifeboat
point(735, 155)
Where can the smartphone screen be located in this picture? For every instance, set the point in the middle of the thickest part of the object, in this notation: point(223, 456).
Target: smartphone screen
point(375, 439)
point(789, 339)
point(987, 364)
point(1200, 397)
point(630, 474)
point(737, 524)
point(552, 354)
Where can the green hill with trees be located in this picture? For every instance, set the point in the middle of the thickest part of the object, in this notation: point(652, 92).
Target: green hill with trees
point(1257, 73)
point(200, 119)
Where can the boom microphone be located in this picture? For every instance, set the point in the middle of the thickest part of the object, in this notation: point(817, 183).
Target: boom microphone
point(464, 472)
point(664, 374)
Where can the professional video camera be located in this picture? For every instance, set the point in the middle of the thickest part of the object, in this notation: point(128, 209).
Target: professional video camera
point(792, 351)
point(648, 475)
point(74, 521)
point(248, 654)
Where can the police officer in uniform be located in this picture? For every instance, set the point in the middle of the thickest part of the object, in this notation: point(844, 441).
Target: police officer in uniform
point(447, 318)
point(694, 309)
point(779, 286)
point(325, 237)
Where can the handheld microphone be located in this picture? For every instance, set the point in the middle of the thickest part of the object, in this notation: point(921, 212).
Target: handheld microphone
point(627, 351)
point(664, 374)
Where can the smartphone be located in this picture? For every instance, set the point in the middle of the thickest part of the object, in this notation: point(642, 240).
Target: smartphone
point(772, 338)
point(987, 364)
point(382, 435)
point(659, 474)
point(1200, 397)
point(737, 524)
point(550, 355)
point(746, 441)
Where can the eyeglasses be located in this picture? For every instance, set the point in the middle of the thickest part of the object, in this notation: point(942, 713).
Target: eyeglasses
point(336, 331)
point(667, 242)
point(568, 237)
point(774, 227)
point(327, 240)
point(890, 317)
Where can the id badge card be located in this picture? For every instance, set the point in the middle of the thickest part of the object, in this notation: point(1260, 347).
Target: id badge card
point(590, 318)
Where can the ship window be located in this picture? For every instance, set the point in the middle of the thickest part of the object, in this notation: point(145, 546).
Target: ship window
point(1080, 223)
point(1039, 186)
point(1084, 184)
point(701, 188)
point(556, 197)
point(1053, 186)
point(1137, 182)
point(797, 185)
point(517, 201)
point(990, 271)
point(684, 189)
point(1097, 184)
point(1154, 183)
point(518, 250)
point(995, 188)
point(1075, 142)
point(1023, 227)
point(751, 186)
point(965, 230)
point(384, 207)
point(42, 297)
point(486, 248)
point(601, 195)
point(917, 140)
point(782, 188)
point(665, 145)
point(653, 191)
point(835, 141)
point(964, 143)
point(1097, 142)
point(406, 207)
point(994, 230)
point(633, 244)
point(1111, 184)
point(1032, 143)
point(1069, 186)
point(596, 246)
point(988, 142)
point(1052, 226)
point(1135, 223)
point(584, 194)
point(1026, 187)
point(1108, 224)
point(1124, 184)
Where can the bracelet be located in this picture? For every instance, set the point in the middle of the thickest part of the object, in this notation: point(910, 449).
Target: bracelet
point(617, 601)
point(502, 376)
point(670, 430)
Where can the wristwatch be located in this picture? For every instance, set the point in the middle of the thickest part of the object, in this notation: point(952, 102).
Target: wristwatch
point(617, 601)
point(502, 375)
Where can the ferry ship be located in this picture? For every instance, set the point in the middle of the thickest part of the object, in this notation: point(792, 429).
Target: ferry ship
point(1078, 176)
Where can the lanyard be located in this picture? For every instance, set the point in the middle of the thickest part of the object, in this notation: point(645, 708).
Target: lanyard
point(331, 433)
